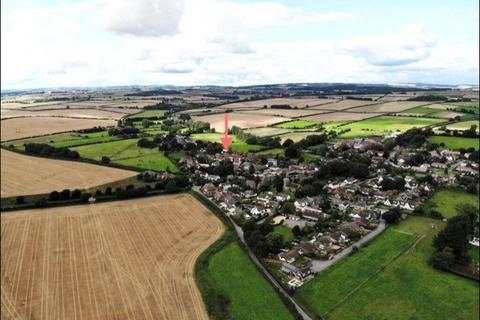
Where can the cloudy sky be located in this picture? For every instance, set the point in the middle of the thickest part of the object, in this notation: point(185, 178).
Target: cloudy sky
point(52, 43)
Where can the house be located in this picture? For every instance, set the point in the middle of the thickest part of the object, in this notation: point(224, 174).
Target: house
point(312, 215)
point(299, 272)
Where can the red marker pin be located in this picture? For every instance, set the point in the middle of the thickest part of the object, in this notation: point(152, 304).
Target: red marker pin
point(226, 140)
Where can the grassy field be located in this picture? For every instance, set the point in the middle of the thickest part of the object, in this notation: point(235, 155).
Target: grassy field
point(237, 145)
point(328, 288)
point(409, 288)
point(474, 106)
point(70, 139)
point(148, 114)
point(286, 233)
point(385, 126)
point(455, 142)
point(421, 111)
point(463, 125)
point(250, 295)
point(446, 201)
point(273, 152)
point(297, 124)
point(126, 152)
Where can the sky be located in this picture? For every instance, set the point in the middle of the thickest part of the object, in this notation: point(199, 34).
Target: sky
point(68, 43)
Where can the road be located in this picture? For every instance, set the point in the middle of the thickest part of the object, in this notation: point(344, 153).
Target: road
point(320, 265)
point(252, 256)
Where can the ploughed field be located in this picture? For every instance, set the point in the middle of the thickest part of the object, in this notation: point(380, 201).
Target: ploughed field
point(26, 175)
point(118, 260)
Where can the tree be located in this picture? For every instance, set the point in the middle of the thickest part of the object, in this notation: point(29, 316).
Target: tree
point(54, 196)
point(392, 216)
point(455, 236)
point(275, 242)
point(297, 232)
point(443, 259)
point(292, 151)
point(105, 160)
point(287, 143)
point(470, 211)
point(65, 194)
point(251, 170)
point(359, 170)
point(20, 200)
point(288, 208)
point(76, 194)
point(171, 186)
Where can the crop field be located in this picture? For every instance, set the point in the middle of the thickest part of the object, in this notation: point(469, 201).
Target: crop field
point(385, 125)
point(343, 105)
point(297, 136)
point(25, 175)
point(394, 106)
point(240, 120)
point(287, 113)
point(257, 104)
point(446, 201)
point(473, 106)
point(455, 143)
point(249, 294)
point(132, 259)
point(237, 145)
point(127, 152)
point(35, 126)
point(297, 124)
point(267, 131)
point(66, 113)
point(148, 114)
point(463, 125)
point(404, 281)
point(341, 116)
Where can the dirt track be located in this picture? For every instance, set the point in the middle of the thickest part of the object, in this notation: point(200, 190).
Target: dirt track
point(120, 260)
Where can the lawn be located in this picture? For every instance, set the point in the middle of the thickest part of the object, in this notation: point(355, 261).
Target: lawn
point(126, 152)
point(249, 294)
point(237, 145)
point(328, 288)
point(446, 201)
point(409, 288)
point(455, 142)
point(385, 126)
point(286, 233)
point(69, 139)
point(148, 114)
point(297, 124)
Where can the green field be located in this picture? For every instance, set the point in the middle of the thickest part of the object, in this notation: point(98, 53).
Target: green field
point(148, 114)
point(446, 201)
point(409, 288)
point(286, 233)
point(421, 111)
point(297, 124)
point(273, 152)
point(237, 145)
point(373, 284)
point(455, 142)
point(126, 152)
point(463, 125)
point(385, 126)
point(69, 139)
point(250, 296)
point(329, 287)
point(473, 106)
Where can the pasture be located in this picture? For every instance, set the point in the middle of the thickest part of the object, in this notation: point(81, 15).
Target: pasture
point(126, 152)
point(341, 116)
point(464, 125)
point(68, 139)
point(148, 114)
point(237, 145)
point(25, 175)
point(404, 283)
point(471, 106)
point(446, 201)
point(389, 107)
point(131, 259)
point(240, 120)
point(385, 126)
point(455, 143)
point(18, 128)
point(297, 124)
point(267, 131)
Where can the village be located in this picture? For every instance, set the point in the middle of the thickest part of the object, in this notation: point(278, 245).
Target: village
point(328, 216)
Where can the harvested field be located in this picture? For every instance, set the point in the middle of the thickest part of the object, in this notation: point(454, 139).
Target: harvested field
point(35, 126)
point(464, 125)
point(267, 131)
point(396, 106)
point(343, 105)
point(288, 113)
point(67, 113)
point(256, 104)
point(118, 260)
point(341, 116)
point(238, 119)
point(25, 175)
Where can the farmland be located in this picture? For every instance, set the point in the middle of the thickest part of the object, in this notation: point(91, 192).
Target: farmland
point(297, 124)
point(69, 139)
point(287, 113)
point(22, 175)
point(148, 114)
point(446, 201)
point(394, 106)
point(463, 125)
point(126, 152)
point(249, 294)
point(237, 145)
point(258, 104)
point(343, 105)
point(455, 143)
point(35, 126)
point(65, 113)
point(350, 289)
point(340, 116)
point(112, 261)
point(385, 126)
point(267, 131)
point(240, 120)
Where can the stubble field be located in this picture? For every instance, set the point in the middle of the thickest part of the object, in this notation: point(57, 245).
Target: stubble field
point(119, 260)
point(239, 119)
point(25, 175)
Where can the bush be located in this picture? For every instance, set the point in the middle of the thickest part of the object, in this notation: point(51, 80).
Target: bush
point(76, 194)
point(443, 259)
point(40, 202)
point(105, 160)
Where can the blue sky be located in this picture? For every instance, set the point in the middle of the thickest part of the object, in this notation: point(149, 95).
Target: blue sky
point(54, 43)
